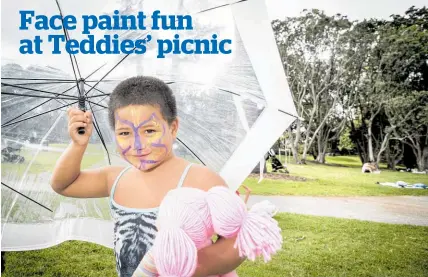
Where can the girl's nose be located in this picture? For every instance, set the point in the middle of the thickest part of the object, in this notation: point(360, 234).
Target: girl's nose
point(138, 145)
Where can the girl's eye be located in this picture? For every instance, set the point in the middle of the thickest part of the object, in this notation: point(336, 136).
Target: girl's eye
point(124, 134)
point(150, 131)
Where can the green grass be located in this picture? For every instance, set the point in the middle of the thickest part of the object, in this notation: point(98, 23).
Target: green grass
point(69, 259)
point(45, 160)
point(333, 180)
point(313, 246)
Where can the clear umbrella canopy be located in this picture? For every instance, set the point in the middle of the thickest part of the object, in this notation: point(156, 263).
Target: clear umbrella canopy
point(232, 107)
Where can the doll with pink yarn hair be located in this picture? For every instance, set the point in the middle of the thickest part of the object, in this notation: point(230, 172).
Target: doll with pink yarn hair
point(189, 217)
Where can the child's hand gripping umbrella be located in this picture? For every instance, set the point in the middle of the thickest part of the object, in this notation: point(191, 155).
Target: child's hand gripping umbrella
point(187, 220)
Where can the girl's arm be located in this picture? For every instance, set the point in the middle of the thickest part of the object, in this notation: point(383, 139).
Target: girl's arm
point(218, 259)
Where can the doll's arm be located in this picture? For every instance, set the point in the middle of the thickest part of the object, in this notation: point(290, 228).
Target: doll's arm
point(247, 193)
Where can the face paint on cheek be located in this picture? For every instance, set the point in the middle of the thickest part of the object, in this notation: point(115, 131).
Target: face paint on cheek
point(159, 146)
point(163, 133)
point(159, 150)
point(123, 151)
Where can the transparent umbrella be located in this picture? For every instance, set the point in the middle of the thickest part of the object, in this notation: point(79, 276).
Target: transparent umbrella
point(232, 107)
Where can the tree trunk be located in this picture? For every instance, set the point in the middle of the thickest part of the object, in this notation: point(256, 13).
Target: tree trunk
point(389, 159)
point(321, 158)
point(295, 143)
point(393, 157)
point(322, 148)
point(314, 154)
point(383, 147)
point(421, 159)
point(306, 145)
point(370, 142)
point(357, 143)
point(316, 133)
point(295, 154)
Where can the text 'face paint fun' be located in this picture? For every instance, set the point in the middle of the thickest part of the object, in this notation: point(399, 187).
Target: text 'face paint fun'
point(142, 136)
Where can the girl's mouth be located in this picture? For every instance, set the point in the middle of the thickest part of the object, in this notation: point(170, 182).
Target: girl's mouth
point(141, 155)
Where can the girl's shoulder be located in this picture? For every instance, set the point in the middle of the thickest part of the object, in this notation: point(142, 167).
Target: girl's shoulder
point(114, 173)
point(204, 178)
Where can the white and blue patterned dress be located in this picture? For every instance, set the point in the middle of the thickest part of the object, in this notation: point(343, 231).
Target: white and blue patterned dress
point(134, 231)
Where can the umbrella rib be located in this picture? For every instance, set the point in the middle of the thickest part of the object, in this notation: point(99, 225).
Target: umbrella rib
point(221, 6)
point(106, 94)
point(96, 126)
point(102, 100)
point(99, 105)
point(32, 109)
point(37, 96)
point(37, 90)
point(66, 38)
point(45, 83)
point(75, 60)
point(49, 99)
point(284, 112)
point(99, 110)
point(221, 89)
point(110, 70)
point(27, 118)
point(74, 56)
point(194, 154)
point(99, 95)
point(95, 71)
point(38, 79)
point(93, 81)
point(29, 198)
point(108, 73)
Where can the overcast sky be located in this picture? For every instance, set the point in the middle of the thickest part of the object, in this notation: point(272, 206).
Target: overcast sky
point(354, 9)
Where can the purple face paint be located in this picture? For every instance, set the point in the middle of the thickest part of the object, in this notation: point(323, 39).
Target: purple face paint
point(140, 145)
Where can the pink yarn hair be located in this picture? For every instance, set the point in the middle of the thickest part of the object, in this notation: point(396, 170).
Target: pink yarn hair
point(189, 217)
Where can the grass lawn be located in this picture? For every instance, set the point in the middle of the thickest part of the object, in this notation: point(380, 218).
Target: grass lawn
point(313, 246)
point(45, 160)
point(341, 176)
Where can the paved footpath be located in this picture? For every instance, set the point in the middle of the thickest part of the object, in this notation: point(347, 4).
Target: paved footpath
point(411, 210)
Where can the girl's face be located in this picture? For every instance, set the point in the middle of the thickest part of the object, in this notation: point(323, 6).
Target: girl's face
point(143, 137)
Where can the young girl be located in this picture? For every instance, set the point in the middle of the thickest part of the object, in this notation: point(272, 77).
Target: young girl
point(143, 114)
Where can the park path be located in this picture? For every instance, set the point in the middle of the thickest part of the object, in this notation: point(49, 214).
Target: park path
point(412, 210)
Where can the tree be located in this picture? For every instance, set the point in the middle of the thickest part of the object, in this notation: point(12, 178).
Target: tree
point(413, 109)
point(312, 47)
point(405, 72)
point(368, 76)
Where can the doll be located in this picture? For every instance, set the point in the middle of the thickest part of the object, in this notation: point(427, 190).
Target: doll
point(189, 217)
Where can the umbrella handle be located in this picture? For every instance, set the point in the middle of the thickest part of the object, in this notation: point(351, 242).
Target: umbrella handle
point(81, 130)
